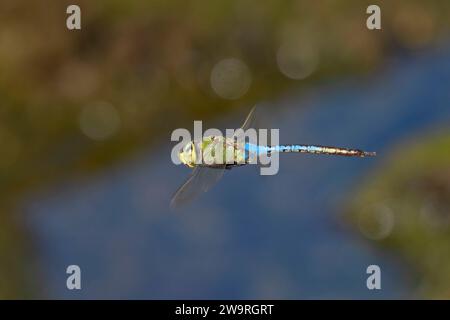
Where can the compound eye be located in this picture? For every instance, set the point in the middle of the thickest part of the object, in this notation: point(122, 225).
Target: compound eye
point(193, 152)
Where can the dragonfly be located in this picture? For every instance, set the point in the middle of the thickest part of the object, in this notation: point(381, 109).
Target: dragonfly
point(209, 171)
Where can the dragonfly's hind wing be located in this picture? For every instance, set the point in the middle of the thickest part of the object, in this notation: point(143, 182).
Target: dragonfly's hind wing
point(250, 121)
point(200, 181)
point(240, 136)
point(254, 120)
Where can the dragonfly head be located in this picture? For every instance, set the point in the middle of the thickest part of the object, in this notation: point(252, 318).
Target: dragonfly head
point(188, 155)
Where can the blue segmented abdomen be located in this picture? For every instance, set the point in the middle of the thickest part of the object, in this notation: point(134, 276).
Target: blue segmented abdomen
point(308, 149)
point(295, 148)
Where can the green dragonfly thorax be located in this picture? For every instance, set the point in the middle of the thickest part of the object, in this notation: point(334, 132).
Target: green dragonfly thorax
point(208, 152)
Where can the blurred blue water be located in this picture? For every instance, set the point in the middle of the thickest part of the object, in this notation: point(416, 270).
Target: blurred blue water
point(251, 236)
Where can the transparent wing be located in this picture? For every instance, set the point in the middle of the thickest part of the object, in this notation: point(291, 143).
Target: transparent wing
point(200, 181)
point(250, 121)
point(239, 135)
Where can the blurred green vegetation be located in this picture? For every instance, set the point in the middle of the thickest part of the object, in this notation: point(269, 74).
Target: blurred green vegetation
point(150, 63)
point(406, 207)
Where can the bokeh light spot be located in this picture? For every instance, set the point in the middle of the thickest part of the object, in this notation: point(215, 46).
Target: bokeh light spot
point(230, 78)
point(99, 121)
point(297, 60)
point(376, 222)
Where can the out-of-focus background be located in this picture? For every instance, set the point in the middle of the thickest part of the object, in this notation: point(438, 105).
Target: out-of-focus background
point(85, 169)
